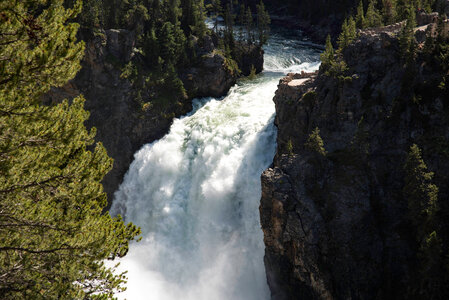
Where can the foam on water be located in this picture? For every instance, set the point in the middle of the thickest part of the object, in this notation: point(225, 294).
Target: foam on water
point(195, 193)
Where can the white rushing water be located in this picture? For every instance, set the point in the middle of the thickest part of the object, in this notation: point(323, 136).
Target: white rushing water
point(195, 193)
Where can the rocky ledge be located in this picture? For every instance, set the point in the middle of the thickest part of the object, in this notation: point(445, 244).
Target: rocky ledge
point(335, 223)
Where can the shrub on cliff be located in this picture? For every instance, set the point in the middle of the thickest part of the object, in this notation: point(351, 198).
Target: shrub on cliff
point(348, 33)
point(53, 234)
point(315, 143)
point(422, 197)
point(419, 191)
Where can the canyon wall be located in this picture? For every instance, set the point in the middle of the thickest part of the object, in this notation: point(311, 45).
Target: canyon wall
point(336, 223)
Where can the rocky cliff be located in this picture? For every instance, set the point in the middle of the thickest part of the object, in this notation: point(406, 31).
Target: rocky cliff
point(336, 223)
point(123, 123)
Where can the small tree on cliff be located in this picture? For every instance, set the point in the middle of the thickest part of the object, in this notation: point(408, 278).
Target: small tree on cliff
point(422, 196)
point(373, 17)
point(53, 235)
point(249, 25)
point(389, 11)
point(348, 33)
point(263, 23)
point(419, 191)
point(315, 143)
point(407, 43)
point(328, 56)
point(216, 11)
point(360, 17)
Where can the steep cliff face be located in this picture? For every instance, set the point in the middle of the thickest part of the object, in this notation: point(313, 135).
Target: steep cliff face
point(335, 225)
point(123, 124)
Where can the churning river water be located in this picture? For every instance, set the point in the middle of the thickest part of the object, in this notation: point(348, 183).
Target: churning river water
point(195, 193)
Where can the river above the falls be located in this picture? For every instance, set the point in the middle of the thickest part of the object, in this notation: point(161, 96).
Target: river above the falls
point(195, 193)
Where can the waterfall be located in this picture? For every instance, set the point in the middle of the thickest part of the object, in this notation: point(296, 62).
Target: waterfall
point(195, 193)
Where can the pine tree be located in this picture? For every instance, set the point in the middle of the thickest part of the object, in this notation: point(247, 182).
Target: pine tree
point(419, 191)
point(348, 33)
point(407, 44)
point(53, 235)
point(422, 195)
point(249, 25)
point(193, 17)
point(135, 16)
point(328, 56)
point(315, 143)
point(263, 23)
point(241, 20)
point(389, 11)
point(229, 28)
point(360, 17)
point(373, 17)
point(199, 27)
point(216, 11)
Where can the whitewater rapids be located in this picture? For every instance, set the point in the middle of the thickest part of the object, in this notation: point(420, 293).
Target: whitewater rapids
point(195, 193)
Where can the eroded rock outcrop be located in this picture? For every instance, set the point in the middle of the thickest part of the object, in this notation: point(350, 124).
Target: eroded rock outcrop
point(123, 124)
point(336, 226)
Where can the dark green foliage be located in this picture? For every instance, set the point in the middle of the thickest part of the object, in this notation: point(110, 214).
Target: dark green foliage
point(263, 23)
point(419, 191)
point(249, 26)
point(53, 234)
point(332, 63)
point(315, 143)
point(389, 11)
point(328, 56)
point(422, 197)
point(348, 33)
point(406, 37)
point(216, 10)
point(360, 16)
point(289, 147)
point(373, 17)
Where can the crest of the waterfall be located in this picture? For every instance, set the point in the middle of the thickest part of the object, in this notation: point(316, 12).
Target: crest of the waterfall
point(195, 193)
point(285, 55)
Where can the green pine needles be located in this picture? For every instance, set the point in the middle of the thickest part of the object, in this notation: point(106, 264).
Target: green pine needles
point(315, 143)
point(53, 234)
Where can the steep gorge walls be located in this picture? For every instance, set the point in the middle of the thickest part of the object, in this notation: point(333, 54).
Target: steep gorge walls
point(337, 207)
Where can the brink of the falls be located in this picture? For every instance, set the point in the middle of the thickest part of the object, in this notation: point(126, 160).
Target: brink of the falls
point(195, 193)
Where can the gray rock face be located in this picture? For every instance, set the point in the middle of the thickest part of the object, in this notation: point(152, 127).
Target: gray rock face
point(122, 125)
point(335, 227)
point(209, 78)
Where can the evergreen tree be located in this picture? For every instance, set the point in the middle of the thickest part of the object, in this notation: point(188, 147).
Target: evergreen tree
point(360, 17)
point(348, 33)
point(328, 56)
point(389, 11)
point(53, 235)
point(407, 43)
point(229, 29)
point(373, 17)
point(263, 23)
point(172, 12)
point(193, 17)
point(249, 25)
point(315, 143)
point(216, 11)
point(199, 27)
point(135, 16)
point(241, 20)
point(420, 193)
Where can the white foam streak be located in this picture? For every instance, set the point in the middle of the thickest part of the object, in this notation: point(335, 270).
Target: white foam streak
point(195, 193)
